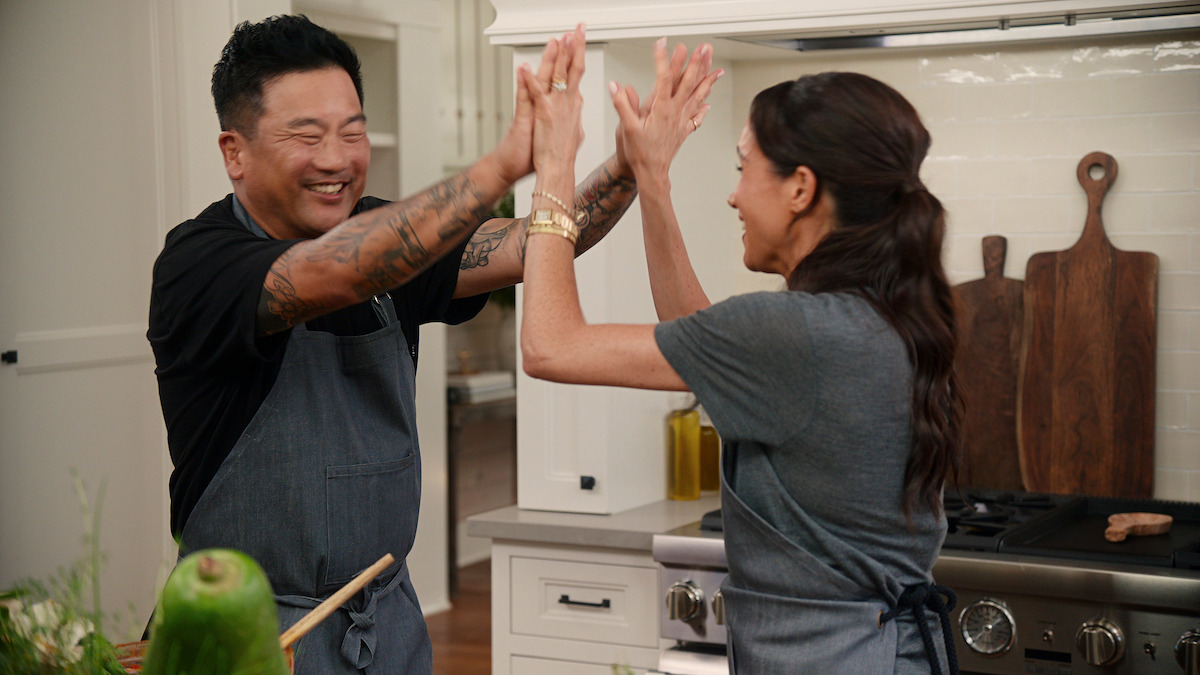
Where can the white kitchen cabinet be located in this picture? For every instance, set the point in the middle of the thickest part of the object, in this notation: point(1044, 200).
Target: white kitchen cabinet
point(572, 609)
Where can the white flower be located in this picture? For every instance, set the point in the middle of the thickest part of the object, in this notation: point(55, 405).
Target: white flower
point(42, 624)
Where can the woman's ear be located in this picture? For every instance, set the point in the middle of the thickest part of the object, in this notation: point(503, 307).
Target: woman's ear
point(802, 190)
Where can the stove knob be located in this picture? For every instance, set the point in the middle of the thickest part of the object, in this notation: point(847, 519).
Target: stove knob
point(1100, 642)
point(718, 605)
point(1187, 652)
point(684, 601)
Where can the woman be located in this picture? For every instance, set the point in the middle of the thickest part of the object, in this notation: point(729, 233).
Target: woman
point(835, 398)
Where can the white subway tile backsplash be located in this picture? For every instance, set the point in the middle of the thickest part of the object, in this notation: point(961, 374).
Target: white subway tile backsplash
point(1173, 333)
point(1118, 135)
point(1193, 343)
point(1025, 63)
point(1180, 372)
point(968, 216)
point(1177, 56)
point(1171, 484)
point(1156, 93)
point(1072, 98)
point(956, 68)
point(1175, 212)
point(1155, 173)
point(961, 140)
point(995, 102)
point(1112, 57)
point(1056, 176)
point(1171, 407)
point(1177, 448)
point(1028, 215)
point(1179, 290)
point(940, 177)
point(995, 177)
point(1032, 138)
point(1176, 132)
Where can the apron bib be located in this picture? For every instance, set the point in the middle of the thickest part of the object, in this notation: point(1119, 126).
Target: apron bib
point(789, 611)
point(323, 482)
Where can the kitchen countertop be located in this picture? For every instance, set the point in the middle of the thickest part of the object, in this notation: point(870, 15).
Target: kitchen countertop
point(633, 529)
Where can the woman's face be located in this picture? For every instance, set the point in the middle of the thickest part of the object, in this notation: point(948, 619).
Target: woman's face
point(763, 201)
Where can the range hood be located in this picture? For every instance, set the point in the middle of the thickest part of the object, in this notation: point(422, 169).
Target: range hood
point(763, 26)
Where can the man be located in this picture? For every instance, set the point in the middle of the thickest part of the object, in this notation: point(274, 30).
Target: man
point(284, 326)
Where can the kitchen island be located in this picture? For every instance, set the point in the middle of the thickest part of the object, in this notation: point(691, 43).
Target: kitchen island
point(574, 593)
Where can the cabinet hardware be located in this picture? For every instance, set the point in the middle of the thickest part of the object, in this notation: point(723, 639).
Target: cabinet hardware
point(9, 356)
point(566, 600)
point(587, 482)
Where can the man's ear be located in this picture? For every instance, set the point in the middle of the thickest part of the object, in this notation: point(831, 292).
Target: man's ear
point(802, 190)
point(232, 145)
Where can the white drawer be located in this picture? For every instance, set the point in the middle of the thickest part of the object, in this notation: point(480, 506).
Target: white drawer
point(582, 601)
point(522, 665)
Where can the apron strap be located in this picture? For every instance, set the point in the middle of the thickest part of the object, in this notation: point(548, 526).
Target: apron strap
point(358, 645)
point(941, 600)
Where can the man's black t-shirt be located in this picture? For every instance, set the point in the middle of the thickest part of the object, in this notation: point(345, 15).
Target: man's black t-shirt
point(213, 373)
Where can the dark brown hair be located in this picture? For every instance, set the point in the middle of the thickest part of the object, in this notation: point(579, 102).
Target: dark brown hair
point(865, 144)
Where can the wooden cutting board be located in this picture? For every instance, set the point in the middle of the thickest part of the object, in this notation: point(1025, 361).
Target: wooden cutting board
point(1086, 402)
point(989, 339)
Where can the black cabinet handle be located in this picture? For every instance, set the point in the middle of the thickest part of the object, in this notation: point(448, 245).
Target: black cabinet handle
point(566, 600)
point(9, 356)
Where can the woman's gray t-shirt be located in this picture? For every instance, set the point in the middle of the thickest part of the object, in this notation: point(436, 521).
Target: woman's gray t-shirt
point(823, 383)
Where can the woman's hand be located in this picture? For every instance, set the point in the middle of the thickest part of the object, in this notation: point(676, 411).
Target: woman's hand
point(554, 92)
point(651, 133)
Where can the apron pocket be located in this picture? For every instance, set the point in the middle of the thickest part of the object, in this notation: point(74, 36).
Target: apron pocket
point(370, 510)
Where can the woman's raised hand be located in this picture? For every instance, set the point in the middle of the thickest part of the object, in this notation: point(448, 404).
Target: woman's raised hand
point(554, 92)
point(651, 132)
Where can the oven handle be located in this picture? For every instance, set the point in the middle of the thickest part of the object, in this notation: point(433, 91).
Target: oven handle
point(565, 599)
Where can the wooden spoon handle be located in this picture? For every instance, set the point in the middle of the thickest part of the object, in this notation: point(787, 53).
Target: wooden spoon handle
point(318, 613)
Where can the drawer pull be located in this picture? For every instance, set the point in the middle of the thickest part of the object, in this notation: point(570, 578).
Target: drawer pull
point(565, 599)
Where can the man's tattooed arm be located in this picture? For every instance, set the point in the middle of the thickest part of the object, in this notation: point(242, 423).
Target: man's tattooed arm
point(371, 252)
point(602, 198)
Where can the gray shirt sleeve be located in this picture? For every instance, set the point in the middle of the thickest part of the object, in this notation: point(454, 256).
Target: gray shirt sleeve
point(739, 356)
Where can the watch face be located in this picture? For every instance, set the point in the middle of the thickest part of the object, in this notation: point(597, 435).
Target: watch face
point(542, 216)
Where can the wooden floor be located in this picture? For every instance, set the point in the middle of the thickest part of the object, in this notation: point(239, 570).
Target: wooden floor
point(462, 636)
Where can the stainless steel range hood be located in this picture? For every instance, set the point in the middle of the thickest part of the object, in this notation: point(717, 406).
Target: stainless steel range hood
point(807, 25)
point(986, 31)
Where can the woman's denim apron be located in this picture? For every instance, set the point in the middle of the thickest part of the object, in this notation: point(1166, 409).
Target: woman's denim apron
point(790, 611)
point(324, 481)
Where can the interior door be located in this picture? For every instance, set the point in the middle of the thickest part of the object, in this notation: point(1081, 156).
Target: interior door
point(80, 204)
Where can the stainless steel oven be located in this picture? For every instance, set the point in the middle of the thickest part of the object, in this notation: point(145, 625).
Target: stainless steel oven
point(1040, 589)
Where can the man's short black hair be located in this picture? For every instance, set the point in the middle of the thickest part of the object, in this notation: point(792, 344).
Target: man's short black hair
point(260, 52)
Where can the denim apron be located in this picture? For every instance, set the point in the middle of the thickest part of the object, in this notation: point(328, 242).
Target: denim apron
point(324, 481)
point(790, 611)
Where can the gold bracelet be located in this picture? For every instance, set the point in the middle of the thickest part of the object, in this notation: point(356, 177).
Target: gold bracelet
point(545, 221)
point(556, 200)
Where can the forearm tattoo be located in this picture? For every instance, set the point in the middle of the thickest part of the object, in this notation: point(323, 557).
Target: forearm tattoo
point(483, 242)
point(382, 247)
point(602, 199)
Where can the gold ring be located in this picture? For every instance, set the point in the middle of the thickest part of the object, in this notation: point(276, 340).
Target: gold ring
point(695, 127)
point(558, 84)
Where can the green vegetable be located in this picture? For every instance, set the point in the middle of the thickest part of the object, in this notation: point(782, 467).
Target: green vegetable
point(216, 616)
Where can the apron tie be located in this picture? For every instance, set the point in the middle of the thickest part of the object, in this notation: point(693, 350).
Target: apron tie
point(358, 645)
point(941, 600)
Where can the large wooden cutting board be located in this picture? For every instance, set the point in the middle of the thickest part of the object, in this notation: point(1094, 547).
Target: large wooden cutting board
point(1086, 406)
point(989, 348)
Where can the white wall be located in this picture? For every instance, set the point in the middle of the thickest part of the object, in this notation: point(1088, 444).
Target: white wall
point(1010, 125)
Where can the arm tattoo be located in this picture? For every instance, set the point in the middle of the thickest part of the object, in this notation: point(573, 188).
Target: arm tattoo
point(481, 245)
point(602, 199)
point(382, 247)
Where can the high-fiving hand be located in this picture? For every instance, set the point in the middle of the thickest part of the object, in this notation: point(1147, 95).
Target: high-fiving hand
point(554, 92)
point(651, 132)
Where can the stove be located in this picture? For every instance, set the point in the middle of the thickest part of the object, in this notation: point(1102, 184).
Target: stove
point(1040, 589)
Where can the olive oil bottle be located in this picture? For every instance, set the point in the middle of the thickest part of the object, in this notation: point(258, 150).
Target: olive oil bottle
point(683, 454)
